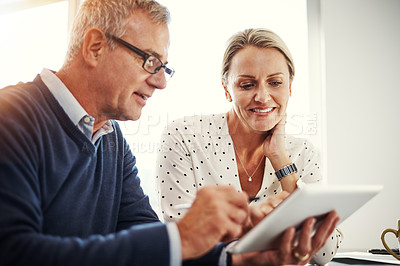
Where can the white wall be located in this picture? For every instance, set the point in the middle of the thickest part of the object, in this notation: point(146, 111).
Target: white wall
point(362, 56)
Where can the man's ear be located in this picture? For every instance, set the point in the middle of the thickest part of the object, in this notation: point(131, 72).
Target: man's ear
point(93, 46)
point(227, 94)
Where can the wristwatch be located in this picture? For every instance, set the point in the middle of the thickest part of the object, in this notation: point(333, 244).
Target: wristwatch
point(285, 171)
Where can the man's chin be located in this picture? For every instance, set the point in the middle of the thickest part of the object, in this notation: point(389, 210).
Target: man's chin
point(130, 117)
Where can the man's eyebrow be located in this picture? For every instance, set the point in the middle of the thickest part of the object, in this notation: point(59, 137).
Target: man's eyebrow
point(152, 52)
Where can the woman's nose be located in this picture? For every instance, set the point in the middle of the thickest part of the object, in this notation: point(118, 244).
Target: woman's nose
point(262, 94)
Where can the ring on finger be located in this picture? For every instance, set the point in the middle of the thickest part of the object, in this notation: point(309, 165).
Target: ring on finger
point(299, 257)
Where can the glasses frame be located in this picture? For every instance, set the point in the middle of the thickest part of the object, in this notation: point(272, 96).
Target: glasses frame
point(169, 72)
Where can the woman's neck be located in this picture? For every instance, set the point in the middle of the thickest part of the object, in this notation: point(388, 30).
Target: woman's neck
point(247, 141)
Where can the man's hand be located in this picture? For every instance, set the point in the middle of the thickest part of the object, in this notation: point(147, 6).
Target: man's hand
point(217, 214)
point(257, 212)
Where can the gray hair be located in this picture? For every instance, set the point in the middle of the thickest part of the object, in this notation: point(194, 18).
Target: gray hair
point(261, 38)
point(111, 16)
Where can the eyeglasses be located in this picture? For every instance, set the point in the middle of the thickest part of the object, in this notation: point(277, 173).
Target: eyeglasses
point(151, 63)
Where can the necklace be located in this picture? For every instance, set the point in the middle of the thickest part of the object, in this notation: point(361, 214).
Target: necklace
point(250, 177)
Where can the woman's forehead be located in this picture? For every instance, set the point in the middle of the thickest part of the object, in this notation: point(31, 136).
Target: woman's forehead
point(255, 60)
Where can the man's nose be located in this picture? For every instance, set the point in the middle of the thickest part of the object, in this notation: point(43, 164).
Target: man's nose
point(158, 80)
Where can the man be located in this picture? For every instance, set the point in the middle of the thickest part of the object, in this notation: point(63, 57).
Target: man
point(69, 190)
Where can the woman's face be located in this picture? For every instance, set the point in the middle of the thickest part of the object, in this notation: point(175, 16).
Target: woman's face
point(259, 87)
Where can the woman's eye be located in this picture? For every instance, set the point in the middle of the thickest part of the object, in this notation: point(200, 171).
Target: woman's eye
point(246, 86)
point(275, 83)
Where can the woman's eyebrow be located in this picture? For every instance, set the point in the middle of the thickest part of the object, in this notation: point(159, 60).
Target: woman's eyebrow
point(253, 77)
point(275, 74)
point(246, 76)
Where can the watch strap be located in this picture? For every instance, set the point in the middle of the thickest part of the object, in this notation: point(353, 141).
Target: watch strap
point(285, 171)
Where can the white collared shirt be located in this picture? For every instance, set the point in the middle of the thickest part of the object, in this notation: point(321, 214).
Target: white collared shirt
point(72, 108)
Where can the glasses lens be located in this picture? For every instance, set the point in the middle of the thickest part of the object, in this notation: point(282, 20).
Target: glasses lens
point(152, 64)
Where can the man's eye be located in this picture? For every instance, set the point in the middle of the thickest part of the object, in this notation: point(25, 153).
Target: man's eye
point(151, 62)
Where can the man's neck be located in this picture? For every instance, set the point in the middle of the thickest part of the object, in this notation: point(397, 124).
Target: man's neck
point(77, 81)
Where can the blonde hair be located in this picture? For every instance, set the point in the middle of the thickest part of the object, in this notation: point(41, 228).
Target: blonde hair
point(261, 38)
point(111, 16)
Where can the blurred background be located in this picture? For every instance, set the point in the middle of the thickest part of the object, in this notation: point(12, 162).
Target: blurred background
point(344, 96)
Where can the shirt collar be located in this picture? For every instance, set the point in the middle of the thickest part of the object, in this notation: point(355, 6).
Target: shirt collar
point(72, 108)
point(64, 97)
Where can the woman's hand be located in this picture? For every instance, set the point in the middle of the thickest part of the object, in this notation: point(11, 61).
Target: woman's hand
point(275, 151)
point(274, 144)
point(292, 250)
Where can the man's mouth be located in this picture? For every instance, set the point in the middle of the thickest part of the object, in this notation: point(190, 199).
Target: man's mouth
point(142, 95)
point(263, 111)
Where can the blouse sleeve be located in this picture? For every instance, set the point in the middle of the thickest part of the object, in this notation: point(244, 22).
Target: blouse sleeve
point(175, 178)
point(308, 162)
point(327, 252)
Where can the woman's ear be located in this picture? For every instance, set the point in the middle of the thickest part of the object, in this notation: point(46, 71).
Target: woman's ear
point(290, 88)
point(227, 94)
point(93, 46)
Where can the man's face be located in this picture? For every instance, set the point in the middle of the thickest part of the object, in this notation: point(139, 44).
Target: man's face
point(126, 86)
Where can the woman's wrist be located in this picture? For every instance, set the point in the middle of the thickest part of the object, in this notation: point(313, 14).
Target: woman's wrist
point(288, 182)
point(279, 161)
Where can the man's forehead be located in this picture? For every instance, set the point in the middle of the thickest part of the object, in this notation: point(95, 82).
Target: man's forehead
point(144, 33)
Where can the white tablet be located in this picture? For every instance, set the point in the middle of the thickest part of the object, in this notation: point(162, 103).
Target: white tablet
point(312, 200)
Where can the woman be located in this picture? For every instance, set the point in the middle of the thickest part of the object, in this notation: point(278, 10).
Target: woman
point(246, 147)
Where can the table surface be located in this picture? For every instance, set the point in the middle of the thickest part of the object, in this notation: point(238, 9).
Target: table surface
point(362, 258)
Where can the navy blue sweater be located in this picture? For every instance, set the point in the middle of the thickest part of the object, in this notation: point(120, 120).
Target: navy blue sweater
point(64, 200)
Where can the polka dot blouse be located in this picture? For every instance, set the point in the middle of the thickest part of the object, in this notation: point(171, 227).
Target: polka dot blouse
point(198, 151)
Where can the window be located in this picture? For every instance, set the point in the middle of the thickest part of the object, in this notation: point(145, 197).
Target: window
point(199, 31)
point(32, 38)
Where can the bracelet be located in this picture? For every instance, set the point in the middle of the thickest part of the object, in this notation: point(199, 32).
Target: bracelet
point(285, 171)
